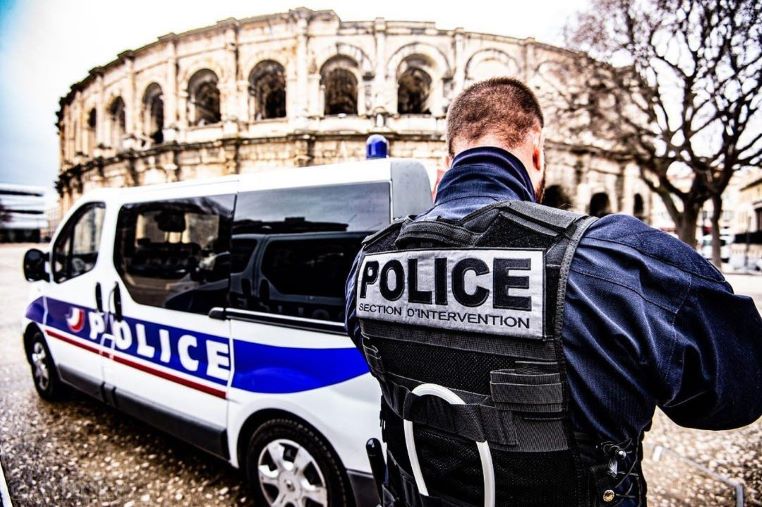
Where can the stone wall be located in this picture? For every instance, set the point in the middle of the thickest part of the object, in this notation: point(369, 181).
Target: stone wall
point(198, 104)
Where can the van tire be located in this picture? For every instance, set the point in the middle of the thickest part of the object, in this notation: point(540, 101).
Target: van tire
point(289, 439)
point(45, 377)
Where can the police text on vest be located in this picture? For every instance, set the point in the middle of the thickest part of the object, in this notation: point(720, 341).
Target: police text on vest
point(495, 291)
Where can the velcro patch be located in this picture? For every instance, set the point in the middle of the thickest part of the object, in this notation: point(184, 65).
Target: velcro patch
point(495, 291)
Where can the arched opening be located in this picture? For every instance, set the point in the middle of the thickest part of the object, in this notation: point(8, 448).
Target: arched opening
point(267, 89)
point(204, 98)
point(153, 113)
point(600, 205)
point(414, 89)
point(638, 207)
point(555, 197)
point(92, 125)
point(117, 122)
point(340, 86)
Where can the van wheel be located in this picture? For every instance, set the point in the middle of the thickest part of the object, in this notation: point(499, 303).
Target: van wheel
point(44, 373)
point(290, 465)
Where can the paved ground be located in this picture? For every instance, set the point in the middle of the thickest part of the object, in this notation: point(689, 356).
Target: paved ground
point(82, 453)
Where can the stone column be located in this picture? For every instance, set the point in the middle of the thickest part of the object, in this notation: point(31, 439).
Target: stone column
point(100, 114)
point(77, 115)
point(314, 94)
point(131, 104)
point(229, 88)
point(302, 25)
point(68, 150)
point(460, 60)
point(529, 59)
point(381, 103)
point(170, 91)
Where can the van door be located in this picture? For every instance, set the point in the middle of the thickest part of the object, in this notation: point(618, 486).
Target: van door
point(74, 322)
point(171, 364)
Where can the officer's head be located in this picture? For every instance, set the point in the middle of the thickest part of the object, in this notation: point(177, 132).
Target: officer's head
point(500, 112)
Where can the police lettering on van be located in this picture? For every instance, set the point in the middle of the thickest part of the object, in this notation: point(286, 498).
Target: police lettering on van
point(166, 345)
point(491, 291)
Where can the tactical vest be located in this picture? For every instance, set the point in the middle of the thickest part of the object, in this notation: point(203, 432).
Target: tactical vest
point(475, 306)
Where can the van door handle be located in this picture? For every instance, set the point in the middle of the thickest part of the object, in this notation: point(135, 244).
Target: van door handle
point(98, 297)
point(117, 302)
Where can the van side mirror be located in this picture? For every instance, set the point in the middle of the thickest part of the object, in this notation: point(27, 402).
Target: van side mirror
point(34, 265)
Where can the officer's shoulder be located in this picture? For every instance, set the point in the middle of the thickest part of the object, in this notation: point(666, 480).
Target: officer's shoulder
point(650, 242)
point(385, 235)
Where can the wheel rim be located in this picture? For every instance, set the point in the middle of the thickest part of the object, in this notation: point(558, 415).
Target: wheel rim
point(39, 365)
point(290, 477)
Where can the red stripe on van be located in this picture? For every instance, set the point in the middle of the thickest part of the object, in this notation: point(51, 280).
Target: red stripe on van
point(76, 343)
point(219, 393)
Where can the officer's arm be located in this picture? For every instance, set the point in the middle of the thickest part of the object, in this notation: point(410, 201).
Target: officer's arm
point(350, 315)
point(715, 375)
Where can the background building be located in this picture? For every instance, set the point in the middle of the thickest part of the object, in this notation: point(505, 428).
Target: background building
point(304, 88)
point(23, 213)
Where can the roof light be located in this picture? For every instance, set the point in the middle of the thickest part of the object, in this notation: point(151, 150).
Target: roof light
point(376, 147)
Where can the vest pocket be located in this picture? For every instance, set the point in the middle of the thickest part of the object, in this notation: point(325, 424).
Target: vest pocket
point(527, 392)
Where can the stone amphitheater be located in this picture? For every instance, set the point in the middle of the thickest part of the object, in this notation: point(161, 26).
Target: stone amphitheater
point(306, 88)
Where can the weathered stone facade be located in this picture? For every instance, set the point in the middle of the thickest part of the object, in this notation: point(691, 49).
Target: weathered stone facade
point(305, 88)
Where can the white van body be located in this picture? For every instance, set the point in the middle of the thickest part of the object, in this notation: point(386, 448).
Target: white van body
point(130, 322)
point(726, 240)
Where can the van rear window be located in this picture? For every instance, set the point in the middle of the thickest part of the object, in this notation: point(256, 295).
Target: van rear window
point(292, 249)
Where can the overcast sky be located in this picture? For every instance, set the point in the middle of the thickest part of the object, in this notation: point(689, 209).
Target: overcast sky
point(47, 45)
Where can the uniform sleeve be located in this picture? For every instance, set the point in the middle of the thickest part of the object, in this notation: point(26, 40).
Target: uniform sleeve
point(351, 323)
point(714, 379)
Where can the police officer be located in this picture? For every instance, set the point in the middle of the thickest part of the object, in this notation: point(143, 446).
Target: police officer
point(522, 350)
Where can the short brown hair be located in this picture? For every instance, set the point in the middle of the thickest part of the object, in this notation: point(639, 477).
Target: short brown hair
point(502, 106)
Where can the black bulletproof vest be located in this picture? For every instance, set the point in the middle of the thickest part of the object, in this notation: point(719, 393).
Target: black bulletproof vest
point(475, 305)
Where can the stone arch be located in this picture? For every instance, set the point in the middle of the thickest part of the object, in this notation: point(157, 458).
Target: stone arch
point(487, 63)
point(267, 90)
point(116, 113)
point(600, 205)
point(204, 98)
point(555, 197)
point(91, 122)
point(638, 206)
point(186, 73)
point(153, 113)
point(362, 62)
point(440, 63)
point(274, 55)
point(413, 91)
point(436, 66)
point(340, 85)
point(548, 76)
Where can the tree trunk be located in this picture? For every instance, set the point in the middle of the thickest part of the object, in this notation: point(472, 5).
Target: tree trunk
point(686, 227)
point(716, 245)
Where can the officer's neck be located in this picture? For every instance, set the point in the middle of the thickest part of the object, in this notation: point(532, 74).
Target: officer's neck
point(486, 171)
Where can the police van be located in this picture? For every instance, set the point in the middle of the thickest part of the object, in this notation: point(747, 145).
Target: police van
point(214, 311)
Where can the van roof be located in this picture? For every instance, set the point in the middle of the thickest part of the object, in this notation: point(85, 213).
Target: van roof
point(267, 178)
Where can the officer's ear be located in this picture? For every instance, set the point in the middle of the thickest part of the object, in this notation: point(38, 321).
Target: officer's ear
point(538, 151)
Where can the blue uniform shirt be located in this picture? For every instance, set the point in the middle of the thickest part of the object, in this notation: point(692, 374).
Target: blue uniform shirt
point(648, 322)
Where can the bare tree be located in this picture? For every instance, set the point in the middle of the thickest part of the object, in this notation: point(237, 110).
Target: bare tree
point(674, 86)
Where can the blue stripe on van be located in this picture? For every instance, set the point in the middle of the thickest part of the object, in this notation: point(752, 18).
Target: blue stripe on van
point(36, 310)
point(267, 369)
point(258, 368)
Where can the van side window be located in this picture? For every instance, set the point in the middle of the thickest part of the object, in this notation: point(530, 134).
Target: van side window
point(293, 248)
point(76, 248)
point(175, 254)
